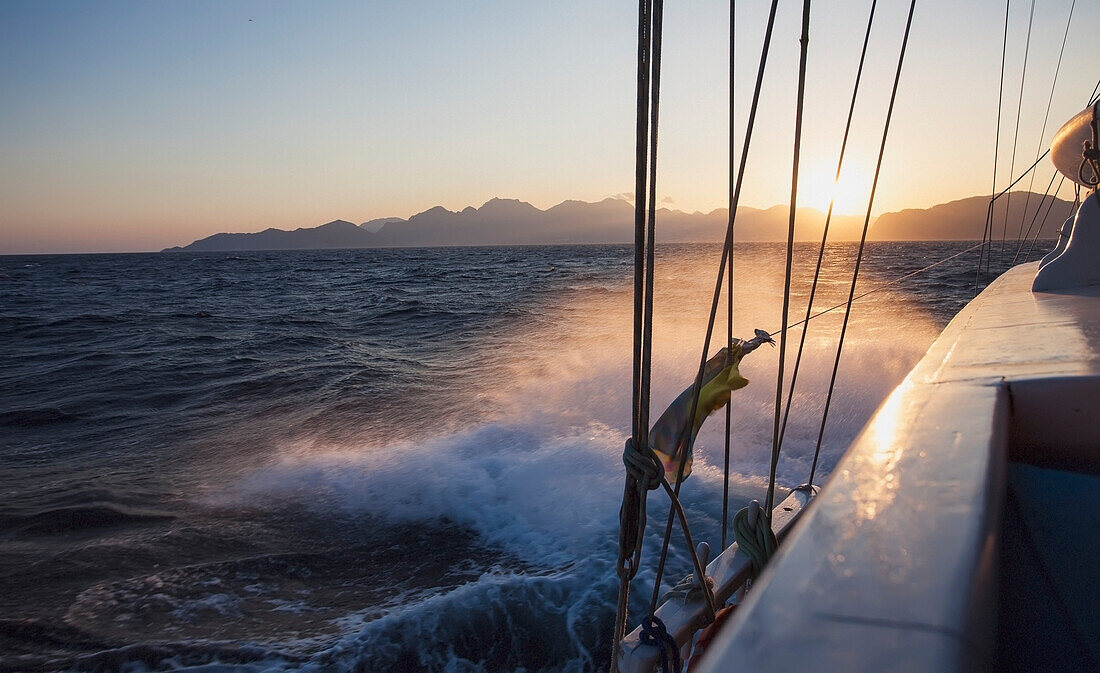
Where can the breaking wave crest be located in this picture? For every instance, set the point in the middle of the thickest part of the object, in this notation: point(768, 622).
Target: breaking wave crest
point(414, 464)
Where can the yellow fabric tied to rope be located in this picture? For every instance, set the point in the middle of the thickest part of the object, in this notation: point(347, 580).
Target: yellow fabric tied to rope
point(720, 378)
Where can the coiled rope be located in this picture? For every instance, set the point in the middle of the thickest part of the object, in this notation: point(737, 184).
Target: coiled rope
point(754, 537)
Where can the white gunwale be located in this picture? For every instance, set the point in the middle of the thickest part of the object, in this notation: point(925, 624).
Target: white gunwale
point(894, 567)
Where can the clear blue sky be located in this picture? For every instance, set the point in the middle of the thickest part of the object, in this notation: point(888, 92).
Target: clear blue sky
point(140, 125)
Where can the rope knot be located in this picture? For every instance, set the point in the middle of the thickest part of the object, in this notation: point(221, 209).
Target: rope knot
point(645, 467)
point(1090, 152)
point(688, 589)
point(655, 634)
point(1090, 155)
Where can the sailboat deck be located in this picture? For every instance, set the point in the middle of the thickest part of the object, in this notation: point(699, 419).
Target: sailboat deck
point(916, 556)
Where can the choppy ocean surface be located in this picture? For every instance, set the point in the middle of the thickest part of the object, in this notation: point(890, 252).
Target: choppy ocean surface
point(383, 460)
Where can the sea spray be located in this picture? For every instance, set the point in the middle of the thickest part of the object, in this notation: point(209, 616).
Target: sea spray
point(386, 459)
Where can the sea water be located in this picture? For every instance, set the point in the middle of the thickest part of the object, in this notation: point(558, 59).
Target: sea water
point(388, 460)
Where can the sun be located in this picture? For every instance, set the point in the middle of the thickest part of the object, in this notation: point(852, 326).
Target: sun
point(816, 188)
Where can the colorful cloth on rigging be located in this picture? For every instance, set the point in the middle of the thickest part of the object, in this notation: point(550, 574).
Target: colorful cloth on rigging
point(720, 378)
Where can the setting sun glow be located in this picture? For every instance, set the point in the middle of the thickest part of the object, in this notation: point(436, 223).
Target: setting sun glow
point(816, 188)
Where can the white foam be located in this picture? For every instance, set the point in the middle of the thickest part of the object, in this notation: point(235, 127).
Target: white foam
point(535, 495)
point(539, 474)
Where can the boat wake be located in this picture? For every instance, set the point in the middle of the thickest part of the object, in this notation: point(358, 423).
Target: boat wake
point(349, 490)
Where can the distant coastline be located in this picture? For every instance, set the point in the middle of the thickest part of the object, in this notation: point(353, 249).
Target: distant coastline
point(514, 222)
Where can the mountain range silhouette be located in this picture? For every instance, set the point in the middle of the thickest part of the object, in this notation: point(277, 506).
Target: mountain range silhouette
point(513, 222)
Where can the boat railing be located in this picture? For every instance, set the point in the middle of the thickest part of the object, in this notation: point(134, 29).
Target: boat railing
point(730, 572)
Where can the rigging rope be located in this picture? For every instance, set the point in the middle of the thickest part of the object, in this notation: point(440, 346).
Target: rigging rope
point(765, 49)
point(987, 232)
point(863, 239)
point(1093, 99)
point(1016, 137)
point(1020, 236)
point(729, 276)
point(989, 215)
point(1021, 177)
point(639, 480)
point(804, 43)
point(880, 288)
point(1045, 216)
point(637, 484)
point(655, 102)
point(1023, 237)
point(825, 231)
point(640, 174)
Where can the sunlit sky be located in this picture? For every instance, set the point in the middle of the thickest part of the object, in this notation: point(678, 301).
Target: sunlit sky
point(128, 126)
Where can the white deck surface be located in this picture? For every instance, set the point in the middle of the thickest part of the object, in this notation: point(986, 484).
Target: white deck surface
point(894, 565)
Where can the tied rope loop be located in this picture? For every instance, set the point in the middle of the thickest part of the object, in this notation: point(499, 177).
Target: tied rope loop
point(1090, 155)
point(644, 466)
point(688, 589)
point(654, 633)
point(644, 473)
point(755, 538)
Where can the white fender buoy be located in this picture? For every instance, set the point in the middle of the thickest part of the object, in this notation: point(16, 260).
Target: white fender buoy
point(1067, 145)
